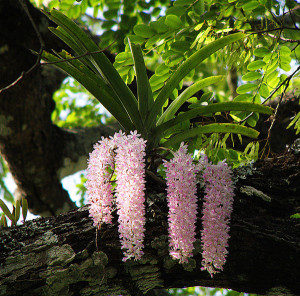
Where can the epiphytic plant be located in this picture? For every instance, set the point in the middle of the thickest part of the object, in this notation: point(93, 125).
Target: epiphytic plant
point(143, 113)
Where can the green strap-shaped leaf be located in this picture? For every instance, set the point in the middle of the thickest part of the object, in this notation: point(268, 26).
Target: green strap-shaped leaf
point(295, 119)
point(212, 128)
point(63, 35)
point(145, 96)
point(86, 72)
point(6, 211)
point(185, 95)
point(17, 211)
point(213, 108)
point(3, 222)
point(106, 69)
point(96, 89)
point(193, 61)
point(67, 33)
point(78, 64)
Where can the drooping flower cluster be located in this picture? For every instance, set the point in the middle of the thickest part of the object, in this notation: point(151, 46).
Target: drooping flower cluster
point(217, 208)
point(98, 187)
point(182, 202)
point(130, 171)
point(129, 167)
point(124, 156)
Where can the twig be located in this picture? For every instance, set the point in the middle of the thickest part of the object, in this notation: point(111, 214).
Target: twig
point(277, 107)
point(284, 39)
point(292, 18)
point(13, 83)
point(42, 46)
point(281, 84)
point(271, 30)
point(79, 56)
point(32, 23)
point(287, 80)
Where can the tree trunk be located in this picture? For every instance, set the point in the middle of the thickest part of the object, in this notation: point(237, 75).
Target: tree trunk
point(38, 153)
point(65, 255)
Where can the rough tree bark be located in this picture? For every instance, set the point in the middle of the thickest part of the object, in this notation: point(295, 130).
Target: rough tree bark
point(64, 255)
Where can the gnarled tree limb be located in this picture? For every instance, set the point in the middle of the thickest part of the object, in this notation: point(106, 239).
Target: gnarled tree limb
point(60, 255)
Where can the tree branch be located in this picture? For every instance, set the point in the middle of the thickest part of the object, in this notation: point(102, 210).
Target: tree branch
point(59, 255)
point(287, 20)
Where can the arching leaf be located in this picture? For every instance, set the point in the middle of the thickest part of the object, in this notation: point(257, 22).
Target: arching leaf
point(185, 68)
point(101, 62)
point(145, 96)
point(7, 212)
point(211, 128)
point(185, 95)
point(97, 88)
point(213, 108)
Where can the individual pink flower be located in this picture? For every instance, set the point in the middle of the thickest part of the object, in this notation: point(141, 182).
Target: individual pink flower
point(98, 187)
point(182, 202)
point(217, 208)
point(130, 195)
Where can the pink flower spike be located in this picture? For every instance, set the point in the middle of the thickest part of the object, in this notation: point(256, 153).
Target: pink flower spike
point(98, 187)
point(217, 208)
point(130, 195)
point(182, 202)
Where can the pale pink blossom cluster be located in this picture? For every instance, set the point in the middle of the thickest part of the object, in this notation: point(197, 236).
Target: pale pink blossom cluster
point(217, 208)
point(182, 202)
point(130, 171)
point(98, 187)
point(125, 155)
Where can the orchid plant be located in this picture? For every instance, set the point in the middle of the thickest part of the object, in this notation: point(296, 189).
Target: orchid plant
point(147, 119)
point(143, 113)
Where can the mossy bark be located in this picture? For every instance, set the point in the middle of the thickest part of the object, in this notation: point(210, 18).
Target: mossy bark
point(65, 255)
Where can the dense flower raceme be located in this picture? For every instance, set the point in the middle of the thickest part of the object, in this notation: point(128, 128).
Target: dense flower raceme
point(125, 155)
point(182, 202)
point(99, 189)
point(217, 208)
point(130, 171)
